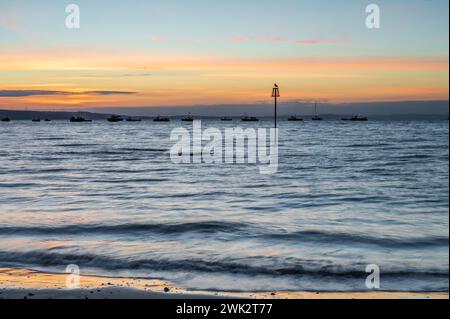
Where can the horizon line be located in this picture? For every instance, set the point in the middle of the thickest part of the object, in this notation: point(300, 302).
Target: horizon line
point(230, 104)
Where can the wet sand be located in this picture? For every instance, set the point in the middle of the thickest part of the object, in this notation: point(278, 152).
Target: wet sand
point(28, 284)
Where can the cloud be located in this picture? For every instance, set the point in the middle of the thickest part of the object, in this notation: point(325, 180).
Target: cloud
point(24, 93)
point(273, 40)
point(323, 41)
point(11, 21)
point(245, 38)
point(108, 93)
point(251, 38)
point(240, 38)
point(159, 38)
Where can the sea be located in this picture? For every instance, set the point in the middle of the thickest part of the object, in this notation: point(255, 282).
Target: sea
point(108, 198)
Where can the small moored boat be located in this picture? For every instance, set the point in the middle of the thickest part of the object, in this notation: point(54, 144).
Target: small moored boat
point(250, 119)
point(356, 118)
point(115, 119)
point(316, 117)
point(161, 119)
point(295, 119)
point(78, 119)
point(188, 118)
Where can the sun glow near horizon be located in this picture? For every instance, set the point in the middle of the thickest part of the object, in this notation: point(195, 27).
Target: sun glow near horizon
point(55, 68)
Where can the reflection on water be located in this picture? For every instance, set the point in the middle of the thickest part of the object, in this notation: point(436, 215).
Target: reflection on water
point(108, 198)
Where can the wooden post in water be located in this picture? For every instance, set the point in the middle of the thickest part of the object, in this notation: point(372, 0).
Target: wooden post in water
point(276, 95)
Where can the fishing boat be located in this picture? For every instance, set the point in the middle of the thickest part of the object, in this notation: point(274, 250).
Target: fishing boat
point(47, 120)
point(226, 119)
point(316, 117)
point(161, 119)
point(188, 118)
point(35, 120)
point(356, 118)
point(115, 118)
point(78, 119)
point(295, 119)
point(5, 119)
point(250, 119)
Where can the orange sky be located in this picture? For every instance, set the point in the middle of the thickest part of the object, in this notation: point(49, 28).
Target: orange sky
point(172, 80)
point(163, 53)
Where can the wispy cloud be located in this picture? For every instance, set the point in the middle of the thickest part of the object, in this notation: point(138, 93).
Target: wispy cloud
point(239, 38)
point(159, 38)
point(107, 93)
point(11, 21)
point(246, 38)
point(323, 41)
point(272, 40)
point(24, 93)
point(308, 41)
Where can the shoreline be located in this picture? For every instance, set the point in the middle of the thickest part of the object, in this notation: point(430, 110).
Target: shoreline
point(16, 283)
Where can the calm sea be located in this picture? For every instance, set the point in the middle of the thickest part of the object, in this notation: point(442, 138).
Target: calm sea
point(107, 197)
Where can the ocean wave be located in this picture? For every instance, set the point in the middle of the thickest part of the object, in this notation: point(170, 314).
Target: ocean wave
point(18, 185)
point(241, 230)
point(145, 150)
point(244, 266)
point(173, 228)
point(369, 145)
point(135, 180)
point(71, 145)
point(348, 238)
point(50, 138)
point(413, 156)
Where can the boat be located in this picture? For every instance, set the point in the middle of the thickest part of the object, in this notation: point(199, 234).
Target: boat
point(78, 119)
point(359, 119)
point(316, 117)
point(226, 119)
point(130, 119)
point(295, 119)
point(356, 118)
point(47, 120)
point(5, 119)
point(250, 119)
point(161, 119)
point(115, 119)
point(188, 118)
point(35, 120)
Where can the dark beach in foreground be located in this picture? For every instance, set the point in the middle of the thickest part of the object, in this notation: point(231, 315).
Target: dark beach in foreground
point(27, 284)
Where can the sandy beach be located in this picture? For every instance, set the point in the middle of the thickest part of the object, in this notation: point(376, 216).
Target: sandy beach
point(28, 284)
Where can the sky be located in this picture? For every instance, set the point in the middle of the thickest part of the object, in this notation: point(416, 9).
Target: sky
point(200, 52)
